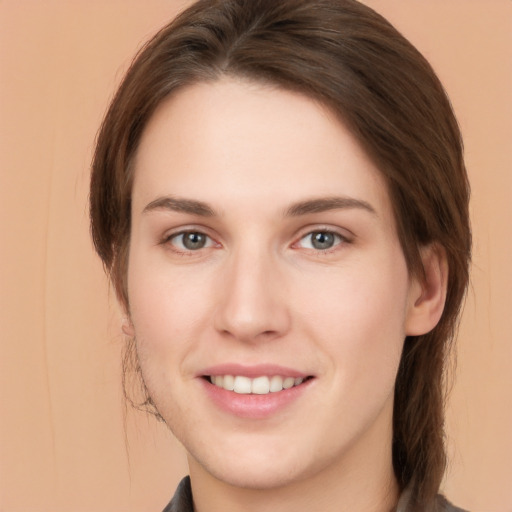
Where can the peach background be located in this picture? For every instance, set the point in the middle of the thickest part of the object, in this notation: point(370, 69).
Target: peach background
point(62, 423)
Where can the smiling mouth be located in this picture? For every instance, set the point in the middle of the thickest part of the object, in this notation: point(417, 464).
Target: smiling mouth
point(258, 386)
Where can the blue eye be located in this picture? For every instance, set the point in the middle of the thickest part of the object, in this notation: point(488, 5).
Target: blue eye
point(190, 241)
point(320, 240)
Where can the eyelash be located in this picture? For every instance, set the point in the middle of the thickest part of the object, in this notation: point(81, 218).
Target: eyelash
point(339, 240)
point(186, 252)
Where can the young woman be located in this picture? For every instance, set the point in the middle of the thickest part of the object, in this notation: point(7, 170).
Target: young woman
point(280, 199)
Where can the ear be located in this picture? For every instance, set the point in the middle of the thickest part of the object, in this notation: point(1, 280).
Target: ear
point(427, 293)
point(127, 326)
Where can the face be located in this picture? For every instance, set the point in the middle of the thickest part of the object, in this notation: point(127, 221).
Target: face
point(269, 295)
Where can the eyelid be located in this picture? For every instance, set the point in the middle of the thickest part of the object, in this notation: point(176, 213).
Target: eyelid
point(184, 233)
point(344, 236)
point(344, 233)
point(167, 238)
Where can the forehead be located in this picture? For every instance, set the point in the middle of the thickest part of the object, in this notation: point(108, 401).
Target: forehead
point(234, 142)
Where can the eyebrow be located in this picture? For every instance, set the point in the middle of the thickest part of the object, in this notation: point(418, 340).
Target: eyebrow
point(324, 204)
point(317, 205)
point(175, 204)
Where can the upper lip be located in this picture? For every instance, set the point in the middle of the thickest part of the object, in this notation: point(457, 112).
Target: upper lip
point(251, 371)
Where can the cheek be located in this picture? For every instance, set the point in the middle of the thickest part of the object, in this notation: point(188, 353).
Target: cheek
point(358, 315)
point(168, 309)
point(168, 313)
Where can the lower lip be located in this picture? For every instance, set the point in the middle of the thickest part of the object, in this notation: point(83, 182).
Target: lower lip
point(254, 406)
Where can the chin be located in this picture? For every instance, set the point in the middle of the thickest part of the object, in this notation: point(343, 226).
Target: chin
point(259, 469)
point(256, 478)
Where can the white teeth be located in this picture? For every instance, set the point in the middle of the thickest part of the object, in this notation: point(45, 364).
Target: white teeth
point(242, 385)
point(288, 382)
point(229, 382)
point(276, 383)
point(258, 386)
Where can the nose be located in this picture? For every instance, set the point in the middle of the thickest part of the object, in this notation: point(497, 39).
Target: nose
point(252, 303)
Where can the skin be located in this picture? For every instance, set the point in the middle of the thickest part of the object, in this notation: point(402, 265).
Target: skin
point(259, 292)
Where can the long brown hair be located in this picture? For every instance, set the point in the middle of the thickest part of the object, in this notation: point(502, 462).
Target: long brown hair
point(348, 57)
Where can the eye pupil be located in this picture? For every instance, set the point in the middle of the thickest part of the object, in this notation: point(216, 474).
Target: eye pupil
point(322, 240)
point(194, 240)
